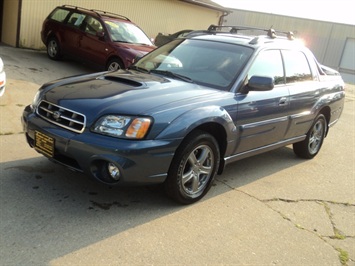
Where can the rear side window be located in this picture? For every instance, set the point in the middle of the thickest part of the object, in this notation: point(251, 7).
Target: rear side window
point(296, 66)
point(59, 14)
point(76, 19)
point(268, 63)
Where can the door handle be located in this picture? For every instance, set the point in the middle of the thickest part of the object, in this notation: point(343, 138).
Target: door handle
point(283, 101)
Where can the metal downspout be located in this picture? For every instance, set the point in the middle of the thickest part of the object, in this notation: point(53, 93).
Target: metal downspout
point(18, 24)
point(221, 18)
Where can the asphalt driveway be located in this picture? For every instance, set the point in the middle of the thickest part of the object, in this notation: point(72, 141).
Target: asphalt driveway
point(270, 209)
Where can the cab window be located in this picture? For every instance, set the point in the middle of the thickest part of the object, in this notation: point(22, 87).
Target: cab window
point(296, 66)
point(268, 63)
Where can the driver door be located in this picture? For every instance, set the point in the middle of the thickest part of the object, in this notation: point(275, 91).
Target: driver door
point(93, 45)
point(262, 116)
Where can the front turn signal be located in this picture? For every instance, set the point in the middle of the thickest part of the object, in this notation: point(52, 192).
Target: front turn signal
point(138, 128)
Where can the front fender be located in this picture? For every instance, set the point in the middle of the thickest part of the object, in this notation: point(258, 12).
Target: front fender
point(192, 119)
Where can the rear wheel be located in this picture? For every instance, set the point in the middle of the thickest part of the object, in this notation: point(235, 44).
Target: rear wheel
point(310, 147)
point(114, 64)
point(53, 49)
point(193, 168)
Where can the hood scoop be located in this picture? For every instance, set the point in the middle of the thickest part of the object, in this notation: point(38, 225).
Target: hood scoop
point(123, 80)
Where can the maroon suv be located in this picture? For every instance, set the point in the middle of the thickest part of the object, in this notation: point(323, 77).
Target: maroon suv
point(103, 39)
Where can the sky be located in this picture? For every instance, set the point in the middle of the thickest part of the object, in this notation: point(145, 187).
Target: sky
point(339, 11)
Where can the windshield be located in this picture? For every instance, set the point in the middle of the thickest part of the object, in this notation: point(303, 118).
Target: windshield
point(213, 64)
point(120, 31)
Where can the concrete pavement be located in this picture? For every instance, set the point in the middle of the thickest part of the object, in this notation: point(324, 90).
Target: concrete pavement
point(269, 209)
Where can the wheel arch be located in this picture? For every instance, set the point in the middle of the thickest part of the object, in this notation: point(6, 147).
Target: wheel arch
point(51, 35)
point(214, 120)
point(220, 134)
point(327, 113)
point(112, 57)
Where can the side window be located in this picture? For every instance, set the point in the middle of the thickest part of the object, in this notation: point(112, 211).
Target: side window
point(268, 63)
point(296, 66)
point(59, 14)
point(76, 19)
point(93, 26)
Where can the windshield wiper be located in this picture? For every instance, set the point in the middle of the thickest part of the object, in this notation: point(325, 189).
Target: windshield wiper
point(121, 41)
point(140, 69)
point(172, 75)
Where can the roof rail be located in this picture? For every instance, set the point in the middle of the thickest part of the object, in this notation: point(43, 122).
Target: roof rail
point(235, 29)
point(100, 13)
point(109, 14)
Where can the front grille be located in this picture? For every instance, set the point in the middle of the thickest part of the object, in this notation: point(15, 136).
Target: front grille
point(61, 116)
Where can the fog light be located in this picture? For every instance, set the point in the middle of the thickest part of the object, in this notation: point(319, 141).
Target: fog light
point(113, 171)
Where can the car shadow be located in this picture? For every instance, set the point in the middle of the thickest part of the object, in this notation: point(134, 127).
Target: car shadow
point(251, 169)
point(52, 201)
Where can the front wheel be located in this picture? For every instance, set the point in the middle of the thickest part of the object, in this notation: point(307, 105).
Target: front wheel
point(193, 168)
point(310, 147)
point(114, 64)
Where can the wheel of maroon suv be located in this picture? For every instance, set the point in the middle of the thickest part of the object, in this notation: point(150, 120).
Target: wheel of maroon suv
point(193, 168)
point(53, 48)
point(114, 64)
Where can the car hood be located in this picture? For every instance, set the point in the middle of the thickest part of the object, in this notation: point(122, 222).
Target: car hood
point(125, 92)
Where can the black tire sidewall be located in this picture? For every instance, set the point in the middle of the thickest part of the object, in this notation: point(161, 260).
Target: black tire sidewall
point(173, 184)
point(301, 149)
point(116, 60)
point(57, 55)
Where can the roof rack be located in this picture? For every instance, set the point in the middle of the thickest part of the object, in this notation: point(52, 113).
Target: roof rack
point(100, 13)
point(234, 29)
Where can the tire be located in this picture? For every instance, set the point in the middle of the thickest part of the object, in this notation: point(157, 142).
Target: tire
point(193, 168)
point(310, 147)
point(114, 64)
point(53, 49)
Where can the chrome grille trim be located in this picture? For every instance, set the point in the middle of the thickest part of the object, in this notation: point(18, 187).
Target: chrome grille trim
point(61, 116)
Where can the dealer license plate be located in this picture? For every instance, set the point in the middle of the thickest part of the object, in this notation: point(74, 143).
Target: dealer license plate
point(44, 144)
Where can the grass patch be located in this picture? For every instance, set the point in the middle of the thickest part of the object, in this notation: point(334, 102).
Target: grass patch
point(343, 256)
point(299, 226)
point(338, 235)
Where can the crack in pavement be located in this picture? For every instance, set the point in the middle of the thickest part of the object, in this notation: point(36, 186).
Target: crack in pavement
point(338, 234)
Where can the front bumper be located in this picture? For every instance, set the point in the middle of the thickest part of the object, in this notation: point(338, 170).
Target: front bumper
point(139, 162)
point(2, 82)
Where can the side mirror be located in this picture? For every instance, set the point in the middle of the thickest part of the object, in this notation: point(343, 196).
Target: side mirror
point(136, 58)
point(100, 34)
point(259, 83)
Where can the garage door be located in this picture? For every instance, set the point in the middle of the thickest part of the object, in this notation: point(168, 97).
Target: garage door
point(347, 63)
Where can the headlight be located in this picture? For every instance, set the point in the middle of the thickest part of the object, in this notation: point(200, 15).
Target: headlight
point(36, 99)
point(123, 126)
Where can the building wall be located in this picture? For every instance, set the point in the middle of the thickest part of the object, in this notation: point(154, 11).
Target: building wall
point(9, 22)
point(327, 40)
point(153, 16)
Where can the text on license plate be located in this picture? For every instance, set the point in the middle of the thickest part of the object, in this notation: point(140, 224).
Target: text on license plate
point(44, 144)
